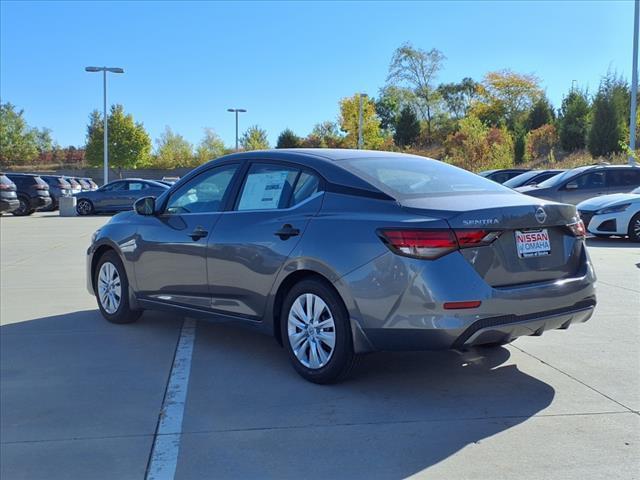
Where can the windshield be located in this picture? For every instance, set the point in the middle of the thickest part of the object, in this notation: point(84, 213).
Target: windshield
point(403, 177)
point(521, 179)
point(558, 179)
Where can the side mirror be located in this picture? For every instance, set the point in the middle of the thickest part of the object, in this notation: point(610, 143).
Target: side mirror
point(571, 185)
point(145, 206)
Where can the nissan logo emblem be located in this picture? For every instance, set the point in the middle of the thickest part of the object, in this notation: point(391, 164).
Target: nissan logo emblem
point(541, 215)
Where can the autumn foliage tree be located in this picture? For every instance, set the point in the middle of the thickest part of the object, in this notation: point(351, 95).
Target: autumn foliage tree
point(539, 143)
point(349, 118)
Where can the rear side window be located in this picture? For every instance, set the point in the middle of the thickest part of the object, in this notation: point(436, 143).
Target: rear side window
point(267, 187)
point(406, 177)
point(624, 177)
point(204, 193)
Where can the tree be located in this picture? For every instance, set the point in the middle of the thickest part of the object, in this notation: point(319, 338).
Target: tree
point(326, 135)
point(210, 147)
point(573, 121)
point(407, 128)
point(457, 97)
point(504, 97)
point(539, 143)
point(18, 142)
point(173, 151)
point(349, 119)
point(390, 102)
point(541, 114)
point(610, 112)
point(129, 142)
point(44, 143)
point(417, 69)
point(288, 139)
point(255, 138)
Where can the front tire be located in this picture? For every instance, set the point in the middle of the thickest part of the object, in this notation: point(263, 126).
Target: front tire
point(84, 207)
point(316, 332)
point(112, 290)
point(634, 228)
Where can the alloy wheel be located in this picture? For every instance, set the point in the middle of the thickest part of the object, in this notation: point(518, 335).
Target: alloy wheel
point(636, 228)
point(311, 330)
point(109, 288)
point(84, 207)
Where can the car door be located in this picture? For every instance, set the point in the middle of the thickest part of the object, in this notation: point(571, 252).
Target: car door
point(623, 180)
point(108, 197)
point(587, 185)
point(171, 246)
point(250, 244)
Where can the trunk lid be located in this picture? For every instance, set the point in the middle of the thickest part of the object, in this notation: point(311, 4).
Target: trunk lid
point(500, 263)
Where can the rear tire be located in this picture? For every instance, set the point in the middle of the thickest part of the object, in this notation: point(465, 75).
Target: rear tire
point(634, 228)
point(111, 288)
point(23, 209)
point(316, 332)
point(84, 207)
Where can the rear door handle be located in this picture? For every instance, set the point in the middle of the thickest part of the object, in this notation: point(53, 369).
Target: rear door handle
point(198, 233)
point(287, 231)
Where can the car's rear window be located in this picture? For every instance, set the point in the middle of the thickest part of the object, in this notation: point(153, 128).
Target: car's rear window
point(558, 179)
point(4, 180)
point(403, 177)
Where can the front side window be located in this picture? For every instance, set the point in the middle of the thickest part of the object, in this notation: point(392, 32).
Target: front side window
point(204, 193)
point(112, 187)
point(136, 186)
point(590, 180)
point(267, 187)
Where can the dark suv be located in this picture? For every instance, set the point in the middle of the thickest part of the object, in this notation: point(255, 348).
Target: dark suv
point(8, 197)
point(58, 187)
point(33, 193)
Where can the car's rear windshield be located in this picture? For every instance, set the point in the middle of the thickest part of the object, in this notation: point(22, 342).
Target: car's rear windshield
point(558, 179)
point(4, 180)
point(406, 177)
point(521, 179)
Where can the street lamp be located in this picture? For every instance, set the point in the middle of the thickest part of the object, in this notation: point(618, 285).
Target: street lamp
point(104, 71)
point(360, 140)
point(634, 87)
point(236, 111)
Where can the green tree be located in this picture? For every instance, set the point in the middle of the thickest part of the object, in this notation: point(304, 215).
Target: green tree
point(541, 114)
point(349, 119)
point(407, 128)
point(418, 69)
point(326, 135)
point(458, 97)
point(573, 121)
point(44, 143)
point(173, 151)
point(610, 113)
point(129, 142)
point(390, 102)
point(18, 142)
point(210, 147)
point(539, 143)
point(504, 98)
point(255, 138)
point(288, 139)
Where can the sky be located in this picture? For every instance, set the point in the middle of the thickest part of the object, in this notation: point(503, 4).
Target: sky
point(287, 63)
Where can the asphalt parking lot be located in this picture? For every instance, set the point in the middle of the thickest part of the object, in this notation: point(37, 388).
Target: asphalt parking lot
point(81, 398)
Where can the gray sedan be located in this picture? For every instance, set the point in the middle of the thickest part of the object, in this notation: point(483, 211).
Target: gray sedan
point(117, 196)
point(340, 252)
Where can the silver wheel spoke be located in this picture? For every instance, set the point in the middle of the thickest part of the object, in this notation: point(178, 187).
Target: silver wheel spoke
point(328, 338)
point(314, 361)
point(109, 288)
point(299, 311)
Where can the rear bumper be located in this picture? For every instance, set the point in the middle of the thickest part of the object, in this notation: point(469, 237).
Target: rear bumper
point(40, 202)
point(8, 205)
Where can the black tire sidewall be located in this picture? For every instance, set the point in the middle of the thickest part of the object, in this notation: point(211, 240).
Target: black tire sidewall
point(630, 232)
point(124, 314)
point(19, 212)
point(343, 356)
point(91, 209)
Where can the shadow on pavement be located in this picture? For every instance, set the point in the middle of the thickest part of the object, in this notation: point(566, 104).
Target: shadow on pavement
point(249, 415)
point(613, 242)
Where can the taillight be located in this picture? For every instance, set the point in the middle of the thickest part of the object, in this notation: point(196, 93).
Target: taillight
point(432, 244)
point(578, 229)
point(37, 186)
point(6, 186)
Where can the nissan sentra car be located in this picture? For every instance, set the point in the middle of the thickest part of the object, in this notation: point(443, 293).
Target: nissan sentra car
point(340, 252)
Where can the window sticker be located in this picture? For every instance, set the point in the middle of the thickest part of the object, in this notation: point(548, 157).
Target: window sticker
point(263, 190)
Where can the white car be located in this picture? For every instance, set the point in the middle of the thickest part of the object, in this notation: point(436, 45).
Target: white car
point(617, 214)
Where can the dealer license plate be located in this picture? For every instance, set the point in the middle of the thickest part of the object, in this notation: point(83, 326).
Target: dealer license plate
point(533, 243)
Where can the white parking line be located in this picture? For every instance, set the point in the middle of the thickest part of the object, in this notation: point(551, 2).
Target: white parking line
point(166, 445)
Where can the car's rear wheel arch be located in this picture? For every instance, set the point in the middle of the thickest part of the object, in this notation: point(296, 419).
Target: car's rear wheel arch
point(284, 288)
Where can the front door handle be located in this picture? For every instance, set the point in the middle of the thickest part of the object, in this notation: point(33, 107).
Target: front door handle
point(287, 231)
point(198, 233)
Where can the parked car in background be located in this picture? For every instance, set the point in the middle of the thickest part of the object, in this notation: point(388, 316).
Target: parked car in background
point(75, 185)
point(117, 196)
point(164, 182)
point(532, 177)
point(8, 196)
point(170, 180)
point(84, 185)
point(502, 175)
point(92, 185)
point(32, 191)
point(582, 183)
point(616, 214)
point(58, 187)
point(340, 252)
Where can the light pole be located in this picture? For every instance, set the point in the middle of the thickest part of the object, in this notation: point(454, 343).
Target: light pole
point(634, 86)
point(360, 140)
point(104, 71)
point(236, 111)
